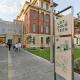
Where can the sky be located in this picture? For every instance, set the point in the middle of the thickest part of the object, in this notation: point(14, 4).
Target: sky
point(62, 4)
point(9, 9)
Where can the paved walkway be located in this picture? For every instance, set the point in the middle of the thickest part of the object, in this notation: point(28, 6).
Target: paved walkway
point(25, 66)
point(30, 67)
point(3, 64)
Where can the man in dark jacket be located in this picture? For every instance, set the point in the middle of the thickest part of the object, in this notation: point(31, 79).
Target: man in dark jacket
point(9, 43)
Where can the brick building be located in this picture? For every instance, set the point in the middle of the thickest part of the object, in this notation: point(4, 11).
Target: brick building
point(36, 17)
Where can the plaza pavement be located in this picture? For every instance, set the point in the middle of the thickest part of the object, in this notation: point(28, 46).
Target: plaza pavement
point(3, 64)
point(25, 66)
point(30, 67)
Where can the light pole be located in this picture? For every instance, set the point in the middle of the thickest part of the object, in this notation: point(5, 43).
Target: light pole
point(51, 30)
point(52, 39)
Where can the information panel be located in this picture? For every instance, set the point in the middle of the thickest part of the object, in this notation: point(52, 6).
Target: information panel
point(63, 47)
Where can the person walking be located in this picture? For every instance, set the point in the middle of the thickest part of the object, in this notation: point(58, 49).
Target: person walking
point(16, 47)
point(9, 45)
point(19, 46)
point(13, 46)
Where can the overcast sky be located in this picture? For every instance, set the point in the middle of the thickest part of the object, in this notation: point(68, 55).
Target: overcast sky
point(9, 9)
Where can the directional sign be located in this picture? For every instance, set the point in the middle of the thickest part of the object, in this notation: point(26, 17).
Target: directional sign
point(63, 47)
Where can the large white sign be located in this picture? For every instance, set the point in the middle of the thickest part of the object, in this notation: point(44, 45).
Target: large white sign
point(63, 47)
point(64, 25)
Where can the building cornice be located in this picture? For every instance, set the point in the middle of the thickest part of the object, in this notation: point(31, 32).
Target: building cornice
point(22, 10)
point(54, 4)
point(27, 5)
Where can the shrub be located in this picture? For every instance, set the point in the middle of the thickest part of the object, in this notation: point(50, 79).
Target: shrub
point(77, 65)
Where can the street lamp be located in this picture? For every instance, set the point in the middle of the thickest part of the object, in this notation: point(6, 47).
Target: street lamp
point(52, 39)
point(51, 31)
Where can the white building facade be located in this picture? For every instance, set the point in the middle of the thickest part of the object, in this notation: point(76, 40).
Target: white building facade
point(10, 30)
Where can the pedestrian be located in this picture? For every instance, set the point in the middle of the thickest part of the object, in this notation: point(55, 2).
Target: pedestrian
point(9, 45)
point(19, 46)
point(4, 45)
point(16, 47)
point(13, 46)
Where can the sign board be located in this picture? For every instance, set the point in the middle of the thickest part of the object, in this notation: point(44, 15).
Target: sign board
point(63, 47)
point(64, 25)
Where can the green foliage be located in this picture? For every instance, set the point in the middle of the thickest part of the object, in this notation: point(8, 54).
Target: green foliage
point(76, 53)
point(77, 64)
point(44, 53)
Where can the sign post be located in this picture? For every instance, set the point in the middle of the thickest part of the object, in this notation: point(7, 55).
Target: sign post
point(64, 32)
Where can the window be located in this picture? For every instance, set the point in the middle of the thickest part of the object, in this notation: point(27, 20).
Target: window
point(47, 29)
point(34, 14)
point(41, 40)
point(33, 40)
point(77, 40)
point(41, 4)
point(47, 40)
point(47, 17)
point(41, 28)
point(19, 40)
point(34, 27)
point(41, 16)
point(47, 7)
point(3, 30)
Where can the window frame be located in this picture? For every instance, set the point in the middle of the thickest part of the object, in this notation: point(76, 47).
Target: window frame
point(34, 27)
point(41, 29)
point(47, 29)
point(34, 40)
point(41, 4)
point(47, 6)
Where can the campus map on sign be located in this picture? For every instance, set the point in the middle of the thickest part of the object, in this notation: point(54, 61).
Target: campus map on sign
point(63, 47)
point(63, 57)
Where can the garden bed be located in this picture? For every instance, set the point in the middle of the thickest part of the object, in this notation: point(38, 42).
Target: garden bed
point(45, 53)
